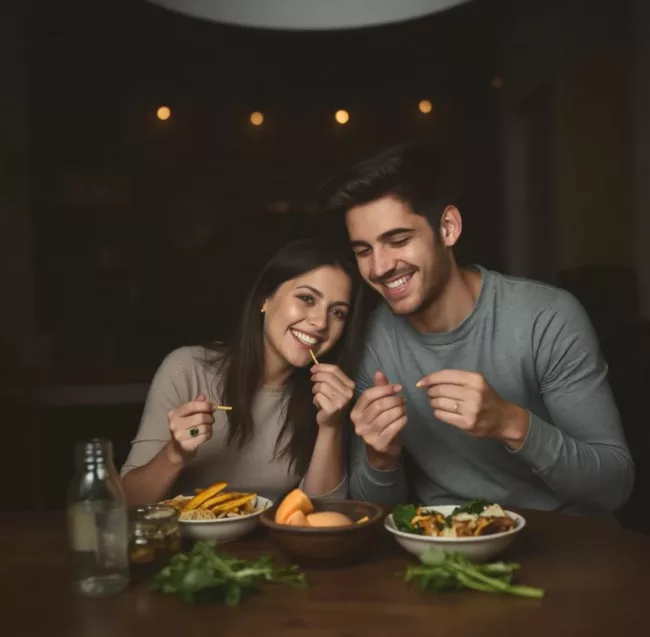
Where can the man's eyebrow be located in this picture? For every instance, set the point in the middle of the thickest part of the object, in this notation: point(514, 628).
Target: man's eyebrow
point(383, 237)
point(390, 234)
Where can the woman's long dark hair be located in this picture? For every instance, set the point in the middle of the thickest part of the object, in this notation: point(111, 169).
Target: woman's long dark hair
point(241, 361)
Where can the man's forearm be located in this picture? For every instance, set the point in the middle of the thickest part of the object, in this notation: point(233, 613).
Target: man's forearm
point(372, 483)
point(601, 475)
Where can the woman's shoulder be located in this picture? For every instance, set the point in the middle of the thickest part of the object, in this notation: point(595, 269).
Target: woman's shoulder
point(192, 359)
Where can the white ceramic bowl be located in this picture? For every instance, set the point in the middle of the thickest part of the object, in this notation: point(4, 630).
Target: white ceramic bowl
point(476, 549)
point(225, 530)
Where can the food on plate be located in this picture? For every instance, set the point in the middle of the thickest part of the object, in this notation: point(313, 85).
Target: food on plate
point(328, 518)
point(205, 495)
point(298, 510)
point(213, 503)
point(203, 575)
point(442, 570)
point(476, 518)
point(297, 518)
point(296, 500)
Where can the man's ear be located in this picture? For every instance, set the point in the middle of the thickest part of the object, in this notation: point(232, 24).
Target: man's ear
point(451, 226)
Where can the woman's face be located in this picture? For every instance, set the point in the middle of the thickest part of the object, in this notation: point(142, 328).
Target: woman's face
point(308, 312)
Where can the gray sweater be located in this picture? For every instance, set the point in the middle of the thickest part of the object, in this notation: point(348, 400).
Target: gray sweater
point(537, 348)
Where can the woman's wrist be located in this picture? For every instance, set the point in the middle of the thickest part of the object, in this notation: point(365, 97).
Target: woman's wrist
point(175, 456)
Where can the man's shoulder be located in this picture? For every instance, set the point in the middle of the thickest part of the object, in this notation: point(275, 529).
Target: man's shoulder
point(532, 296)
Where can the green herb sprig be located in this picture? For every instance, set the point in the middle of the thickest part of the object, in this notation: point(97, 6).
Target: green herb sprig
point(443, 571)
point(203, 575)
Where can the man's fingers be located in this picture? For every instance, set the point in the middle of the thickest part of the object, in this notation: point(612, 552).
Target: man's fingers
point(452, 418)
point(375, 393)
point(380, 379)
point(450, 377)
point(454, 392)
point(387, 436)
point(384, 419)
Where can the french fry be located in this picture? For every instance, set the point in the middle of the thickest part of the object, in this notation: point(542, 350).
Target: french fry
point(220, 499)
point(233, 505)
point(205, 495)
point(365, 518)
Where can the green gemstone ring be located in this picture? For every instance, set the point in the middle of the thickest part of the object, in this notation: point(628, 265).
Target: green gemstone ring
point(194, 432)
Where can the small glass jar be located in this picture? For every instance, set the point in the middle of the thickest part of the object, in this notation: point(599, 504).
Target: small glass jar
point(155, 536)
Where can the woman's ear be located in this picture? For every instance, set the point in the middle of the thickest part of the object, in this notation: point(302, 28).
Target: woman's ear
point(263, 307)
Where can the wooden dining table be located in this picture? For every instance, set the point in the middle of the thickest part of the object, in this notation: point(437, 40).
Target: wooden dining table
point(596, 576)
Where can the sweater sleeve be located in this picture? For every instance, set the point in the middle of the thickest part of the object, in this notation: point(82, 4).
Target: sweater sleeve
point(170, 387)
point(581, 452)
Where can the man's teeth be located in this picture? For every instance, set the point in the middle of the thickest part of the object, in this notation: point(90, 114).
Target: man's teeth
point(304, 338)
point(397, 282)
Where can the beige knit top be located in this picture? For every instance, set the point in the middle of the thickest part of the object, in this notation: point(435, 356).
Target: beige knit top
point(254, 467)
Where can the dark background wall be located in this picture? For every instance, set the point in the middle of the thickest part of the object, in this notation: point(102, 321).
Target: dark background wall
point(124, 236)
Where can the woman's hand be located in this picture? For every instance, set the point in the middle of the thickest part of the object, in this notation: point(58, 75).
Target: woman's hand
point(333, 391)
point(190, 425)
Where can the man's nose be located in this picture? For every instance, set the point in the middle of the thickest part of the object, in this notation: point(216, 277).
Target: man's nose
point(382, 264)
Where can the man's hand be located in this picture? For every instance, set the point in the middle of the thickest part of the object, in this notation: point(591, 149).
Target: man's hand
point(466, 400)
point(378, 418)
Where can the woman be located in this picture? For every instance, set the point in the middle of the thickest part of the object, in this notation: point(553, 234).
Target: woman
point(287, 422)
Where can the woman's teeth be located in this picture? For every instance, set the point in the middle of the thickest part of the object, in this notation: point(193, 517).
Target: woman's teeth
point(391, 285)
point(304, 338)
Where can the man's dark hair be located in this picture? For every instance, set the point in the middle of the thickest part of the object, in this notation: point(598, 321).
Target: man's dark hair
point(412, 173)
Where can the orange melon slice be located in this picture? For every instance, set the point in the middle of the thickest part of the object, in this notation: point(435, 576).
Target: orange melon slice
point(297, 500)
point(297, 518)
point(328, 518)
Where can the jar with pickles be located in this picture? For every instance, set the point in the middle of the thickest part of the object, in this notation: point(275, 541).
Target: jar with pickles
point(154, 537)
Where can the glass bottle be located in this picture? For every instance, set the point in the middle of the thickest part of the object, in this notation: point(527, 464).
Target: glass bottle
point(98, 532)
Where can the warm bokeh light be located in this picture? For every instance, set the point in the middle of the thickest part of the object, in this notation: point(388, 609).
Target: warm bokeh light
point(163, 113)
point(425, 106)
point(342, 116)
point(496, 82)
point(256, 118)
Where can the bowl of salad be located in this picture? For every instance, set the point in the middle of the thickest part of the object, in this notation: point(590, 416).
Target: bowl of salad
point(479, 530)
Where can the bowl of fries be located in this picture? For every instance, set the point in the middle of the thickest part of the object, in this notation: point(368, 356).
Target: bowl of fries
point(217, 515)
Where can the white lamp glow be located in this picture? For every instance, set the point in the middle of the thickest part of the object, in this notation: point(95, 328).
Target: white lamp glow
point(308, 14)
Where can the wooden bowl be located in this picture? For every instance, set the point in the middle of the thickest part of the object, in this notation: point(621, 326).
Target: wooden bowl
point(328, 546)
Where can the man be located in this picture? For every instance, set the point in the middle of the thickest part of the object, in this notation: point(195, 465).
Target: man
point(494, 385)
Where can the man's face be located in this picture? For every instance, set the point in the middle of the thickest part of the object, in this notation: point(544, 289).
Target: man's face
point(398, 254)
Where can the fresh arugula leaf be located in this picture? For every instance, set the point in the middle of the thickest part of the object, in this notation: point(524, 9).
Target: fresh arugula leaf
point(203, 575)
point(475, 507)
point(402, 516)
